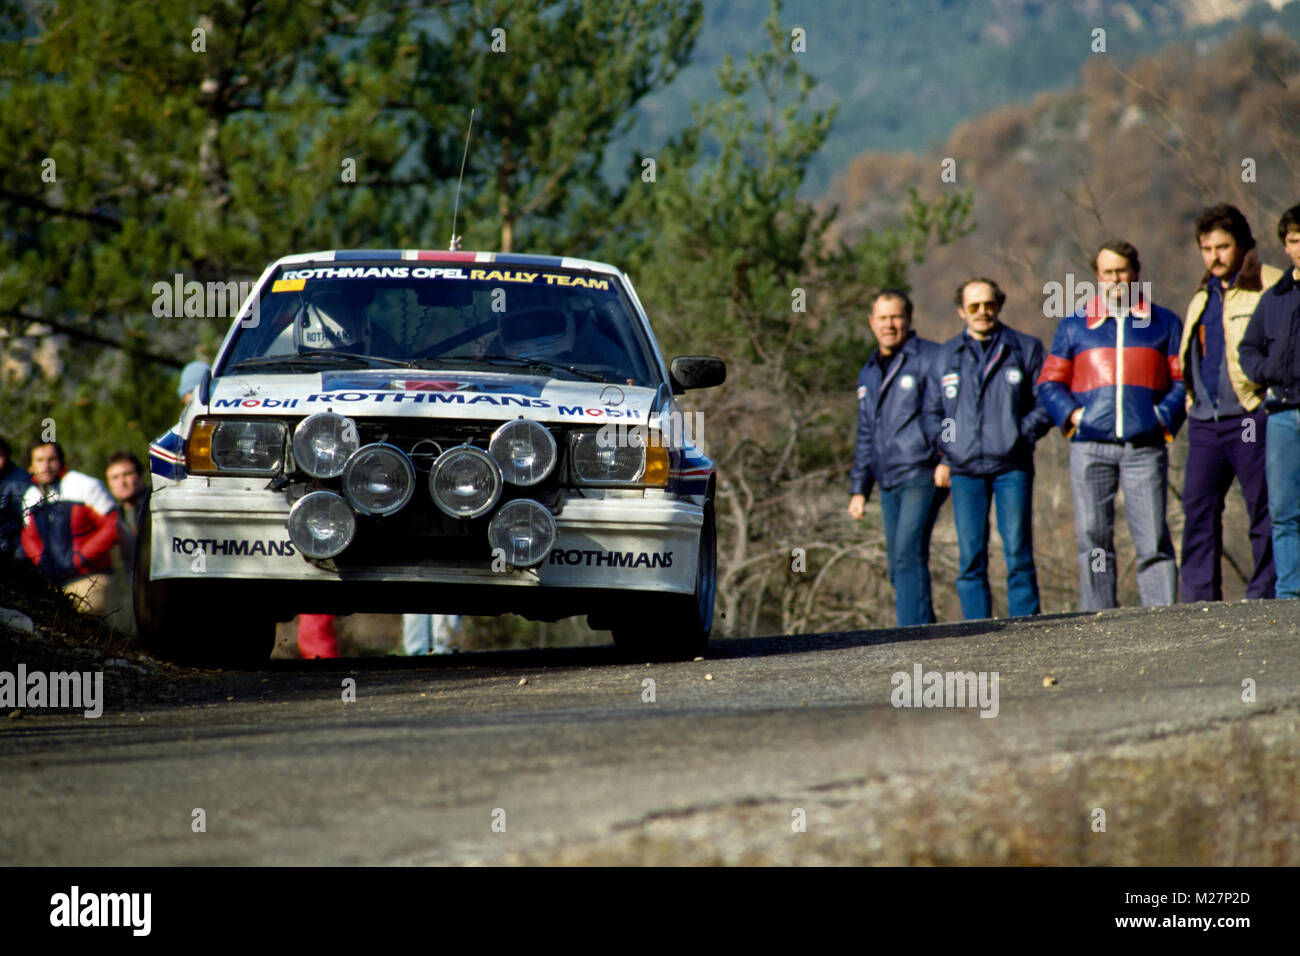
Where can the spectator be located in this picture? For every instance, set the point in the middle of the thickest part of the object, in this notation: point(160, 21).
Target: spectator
point(429, 633)
point(14, 482)
point(70, 529)
point(191, 376)
point(893, 450)
point(1226, 425)
point(1270, 355)
point(125, 476)
point(1114, 385)
point(317, 636)
point(982, 414)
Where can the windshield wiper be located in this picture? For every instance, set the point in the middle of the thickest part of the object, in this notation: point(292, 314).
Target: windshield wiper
point(542, 364)
point(317, 359)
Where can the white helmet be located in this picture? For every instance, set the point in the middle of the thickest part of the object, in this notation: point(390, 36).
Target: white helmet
point(329, 321)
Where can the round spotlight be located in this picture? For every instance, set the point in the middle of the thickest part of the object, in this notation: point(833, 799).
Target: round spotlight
point(322, 444)
point(525, 451)
point(378, 479)
point(524, 530)
point(465, 481)
point(321, 524)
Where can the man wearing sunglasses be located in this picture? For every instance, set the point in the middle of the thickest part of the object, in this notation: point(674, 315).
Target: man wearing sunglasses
point(983, 415)
point(1113, 382)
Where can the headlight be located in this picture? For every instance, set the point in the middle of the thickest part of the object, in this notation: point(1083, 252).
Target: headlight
point(219, 446)
point(465, 481)
point(525, 451)
point(524, 530)
point(378, 479)
point(618, 456)
point(321, 524)
point(594, 461)
point(323, 442)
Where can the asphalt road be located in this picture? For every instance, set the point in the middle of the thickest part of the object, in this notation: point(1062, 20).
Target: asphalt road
point(769, 750)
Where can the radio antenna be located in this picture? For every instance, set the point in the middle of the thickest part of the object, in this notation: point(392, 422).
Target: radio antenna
point(455, 210)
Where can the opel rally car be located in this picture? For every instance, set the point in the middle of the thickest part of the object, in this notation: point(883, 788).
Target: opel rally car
point(398, 431)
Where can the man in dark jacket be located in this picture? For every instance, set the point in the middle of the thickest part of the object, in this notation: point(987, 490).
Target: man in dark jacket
point(892, 449)
point(124, 476)
point(983, 416)
point(13, 485)
point(1114, 385)
point(1270, 355)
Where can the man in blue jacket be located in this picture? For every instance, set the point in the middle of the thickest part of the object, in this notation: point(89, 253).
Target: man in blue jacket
point(1270, 355)
point(892, 449)
point(983, 416)
point(1114, 384)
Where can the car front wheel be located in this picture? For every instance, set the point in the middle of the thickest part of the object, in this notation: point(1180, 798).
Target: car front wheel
point(183, 621)
point(677, 627)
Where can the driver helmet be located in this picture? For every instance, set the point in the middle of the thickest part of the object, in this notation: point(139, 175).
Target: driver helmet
point(328, 320)
point(540, 333)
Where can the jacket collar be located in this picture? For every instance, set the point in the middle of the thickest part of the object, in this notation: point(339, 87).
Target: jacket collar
point(1096, 312)
point(1249, 277)
point(970, 342)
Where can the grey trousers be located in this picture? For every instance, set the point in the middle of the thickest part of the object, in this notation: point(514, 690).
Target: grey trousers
point(1097, 469)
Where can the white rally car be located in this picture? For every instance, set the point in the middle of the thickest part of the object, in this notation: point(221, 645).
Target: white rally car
point(396, 431)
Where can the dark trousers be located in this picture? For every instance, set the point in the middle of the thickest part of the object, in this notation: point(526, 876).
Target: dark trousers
point(1218, 452)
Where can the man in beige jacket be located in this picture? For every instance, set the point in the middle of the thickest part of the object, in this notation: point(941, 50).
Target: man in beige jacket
point(1225, 417)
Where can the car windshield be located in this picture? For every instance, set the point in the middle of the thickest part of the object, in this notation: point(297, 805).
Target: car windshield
point(568, 323)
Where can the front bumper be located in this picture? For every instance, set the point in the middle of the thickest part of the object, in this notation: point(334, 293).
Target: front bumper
point(202, 531)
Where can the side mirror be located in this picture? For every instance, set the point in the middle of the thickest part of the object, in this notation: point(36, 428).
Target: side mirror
point(696, 371)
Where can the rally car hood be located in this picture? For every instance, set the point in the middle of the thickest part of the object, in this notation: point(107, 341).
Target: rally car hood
point(391, 393)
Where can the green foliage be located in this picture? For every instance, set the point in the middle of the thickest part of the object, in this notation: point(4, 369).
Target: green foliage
point(552, 86)
point(210, 141)
point(141, 140)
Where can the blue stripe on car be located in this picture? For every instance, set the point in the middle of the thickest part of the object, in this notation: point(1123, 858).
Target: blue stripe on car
point(521, 259)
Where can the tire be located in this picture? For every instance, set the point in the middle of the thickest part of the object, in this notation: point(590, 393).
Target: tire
point(680, 623)
point(175, 619)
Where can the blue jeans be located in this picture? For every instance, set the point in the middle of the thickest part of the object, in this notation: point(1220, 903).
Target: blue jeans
point(972, 496)
point(1283, 467)
point(429, 633)
point(909, 511)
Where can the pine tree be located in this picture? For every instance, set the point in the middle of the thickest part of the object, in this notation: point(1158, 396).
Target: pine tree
point(552, 85)
point(140, 141)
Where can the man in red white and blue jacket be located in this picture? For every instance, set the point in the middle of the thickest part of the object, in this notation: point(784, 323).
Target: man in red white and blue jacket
point(70, 528)
point(1113, 383)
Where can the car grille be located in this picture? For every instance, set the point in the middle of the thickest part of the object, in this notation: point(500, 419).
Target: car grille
point(420, 532)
